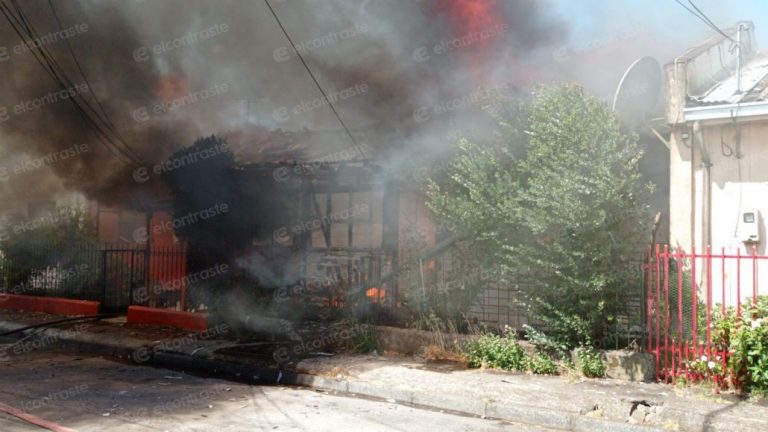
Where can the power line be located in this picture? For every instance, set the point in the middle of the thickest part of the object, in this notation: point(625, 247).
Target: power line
point(306, 66)
point(103, 116)
point(700, 15)
point(21, 26)
point(711, 23)
point(80, 69)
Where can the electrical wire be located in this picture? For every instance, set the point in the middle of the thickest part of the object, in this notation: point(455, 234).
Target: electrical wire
point(23, 27)
point(107, 120)
point(709, 21)
point(311, 74)
point(80, 69)
point(20, 25)
point(51, 60)
point(700, 15)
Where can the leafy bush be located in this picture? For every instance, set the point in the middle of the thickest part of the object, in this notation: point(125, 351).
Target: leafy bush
point(709, 369)
point(564, 332)
point(591, 366)
point(500, 352)
point(749, 347)
point(558, 198)
point(504, 352)
point(364, 340)
point(542, 365)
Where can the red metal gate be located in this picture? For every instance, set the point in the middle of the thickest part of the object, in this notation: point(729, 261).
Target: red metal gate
point(687, 296)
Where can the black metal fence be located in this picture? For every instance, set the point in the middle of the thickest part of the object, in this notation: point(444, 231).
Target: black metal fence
point(498, 301)
point(116, 275)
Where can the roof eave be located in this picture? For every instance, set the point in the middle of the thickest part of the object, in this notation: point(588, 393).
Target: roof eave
point(750, 111)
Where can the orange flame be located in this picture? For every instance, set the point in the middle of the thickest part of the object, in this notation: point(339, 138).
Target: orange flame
point(468, 19)
point(375, 294)
point(171, 87)
point(470, 16)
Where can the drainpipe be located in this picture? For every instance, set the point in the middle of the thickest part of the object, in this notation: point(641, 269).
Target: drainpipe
point(692, 204)
point(698, 137)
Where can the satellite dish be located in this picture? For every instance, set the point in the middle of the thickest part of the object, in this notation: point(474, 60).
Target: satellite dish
point(638, 92)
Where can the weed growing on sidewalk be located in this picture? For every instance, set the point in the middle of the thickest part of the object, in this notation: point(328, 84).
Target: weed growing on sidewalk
point(542, 365)
point(504, 352)
point(361, 341)
point(499, 352)
point(590, 364)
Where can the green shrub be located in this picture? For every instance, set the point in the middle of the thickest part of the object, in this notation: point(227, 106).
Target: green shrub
point(711, 369)
point(364, 340)
point(501, 352)
point(564, 332)
point(558, 198)
point(542, 365)
point(590, 363)
point(749, 347)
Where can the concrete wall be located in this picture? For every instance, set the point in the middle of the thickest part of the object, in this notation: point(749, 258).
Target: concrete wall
point(706, 204)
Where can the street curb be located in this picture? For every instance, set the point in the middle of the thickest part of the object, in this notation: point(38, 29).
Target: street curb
point(126, 348)
point(191, 321)
point(476, 408)
point(50, 305)
point(94, 343)
point(531, 415)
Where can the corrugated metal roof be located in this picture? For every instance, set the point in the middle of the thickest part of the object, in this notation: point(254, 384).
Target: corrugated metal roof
point(753, 85)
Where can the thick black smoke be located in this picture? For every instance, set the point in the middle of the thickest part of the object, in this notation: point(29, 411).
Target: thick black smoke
point(225, 67)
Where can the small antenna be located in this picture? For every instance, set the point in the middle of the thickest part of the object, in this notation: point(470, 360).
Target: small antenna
point(740, 27)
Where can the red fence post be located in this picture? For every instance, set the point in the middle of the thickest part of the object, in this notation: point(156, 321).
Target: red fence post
point(648, 294)
point(666, 306)
point(694, 300)
point(754, 277)
point(738, 286)
point(709, 302)
point(680, 306)
point(673, 350)
point(722, 274)
point(657, 312)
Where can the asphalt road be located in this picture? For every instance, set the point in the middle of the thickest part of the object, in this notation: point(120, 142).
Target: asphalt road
point(93, 394)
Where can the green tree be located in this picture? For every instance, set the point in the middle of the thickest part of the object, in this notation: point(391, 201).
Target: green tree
point(557, 199)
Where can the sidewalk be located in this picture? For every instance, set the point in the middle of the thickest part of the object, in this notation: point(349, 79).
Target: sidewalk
point(565, 403)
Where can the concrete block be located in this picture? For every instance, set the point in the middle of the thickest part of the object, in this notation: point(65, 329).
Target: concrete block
point(629, 366)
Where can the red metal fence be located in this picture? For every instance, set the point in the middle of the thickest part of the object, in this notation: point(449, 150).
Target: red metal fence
point(688, 295)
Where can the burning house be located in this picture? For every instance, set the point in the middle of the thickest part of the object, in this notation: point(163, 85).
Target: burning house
point(329, 150)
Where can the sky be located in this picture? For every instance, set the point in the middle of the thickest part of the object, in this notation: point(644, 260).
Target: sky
point(592, 17)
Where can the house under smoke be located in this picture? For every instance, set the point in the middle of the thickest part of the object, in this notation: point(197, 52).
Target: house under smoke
point(717, 106)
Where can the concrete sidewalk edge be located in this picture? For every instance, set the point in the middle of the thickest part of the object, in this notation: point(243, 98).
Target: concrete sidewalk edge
point(124, 349)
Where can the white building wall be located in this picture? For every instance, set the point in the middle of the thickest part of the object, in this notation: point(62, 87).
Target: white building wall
point(736, 185)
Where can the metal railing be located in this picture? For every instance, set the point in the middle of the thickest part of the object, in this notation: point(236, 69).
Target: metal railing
point(687, 295)
point(116, 275)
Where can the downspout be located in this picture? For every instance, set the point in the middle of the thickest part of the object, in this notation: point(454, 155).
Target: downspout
point(698, 137)
point(692, 204)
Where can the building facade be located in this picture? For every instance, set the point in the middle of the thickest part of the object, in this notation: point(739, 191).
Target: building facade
point(717, 108)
